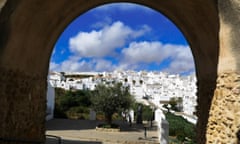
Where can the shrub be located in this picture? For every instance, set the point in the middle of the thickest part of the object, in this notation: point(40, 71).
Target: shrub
point(180, 127)
point(72, 104)
point(147, 112)
point(78, 113)
point(108, 125)
point(100, 116)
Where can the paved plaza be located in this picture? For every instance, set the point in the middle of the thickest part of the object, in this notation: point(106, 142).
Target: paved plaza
point(84, 132)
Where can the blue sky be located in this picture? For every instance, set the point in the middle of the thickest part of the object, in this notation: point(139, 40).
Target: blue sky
point(122, 36)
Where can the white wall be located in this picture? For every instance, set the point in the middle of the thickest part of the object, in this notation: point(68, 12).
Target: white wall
point(50, 102)
point(159, 86)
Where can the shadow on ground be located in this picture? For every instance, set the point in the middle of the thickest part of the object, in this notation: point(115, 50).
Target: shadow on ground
point(66, 124)
point(64, 141)
point(83, 132)
point(136, 127)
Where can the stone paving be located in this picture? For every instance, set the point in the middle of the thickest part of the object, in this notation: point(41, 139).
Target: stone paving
point(84, 132)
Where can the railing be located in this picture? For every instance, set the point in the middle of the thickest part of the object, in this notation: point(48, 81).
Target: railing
point(59, 140)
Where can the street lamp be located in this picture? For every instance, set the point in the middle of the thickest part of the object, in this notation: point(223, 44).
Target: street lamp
point(169, 106)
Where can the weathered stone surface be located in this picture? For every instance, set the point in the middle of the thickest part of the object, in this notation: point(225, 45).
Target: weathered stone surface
point(30, 28)
point(229, 11)
point(205, 92)
point(224, 117)
point(22, 101)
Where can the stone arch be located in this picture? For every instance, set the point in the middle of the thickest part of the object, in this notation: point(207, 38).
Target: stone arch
point(29, 29)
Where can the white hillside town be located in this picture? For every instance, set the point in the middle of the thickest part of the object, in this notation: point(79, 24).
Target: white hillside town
point(150, 88)
point(154, 87)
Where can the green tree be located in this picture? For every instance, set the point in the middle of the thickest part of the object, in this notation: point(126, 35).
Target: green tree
point(176, 103)
point(71, 102)
point(147, 112)
point(111, 99)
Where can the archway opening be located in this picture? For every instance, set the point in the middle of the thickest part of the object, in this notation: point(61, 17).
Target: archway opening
point(26, 49)
point(120, 40)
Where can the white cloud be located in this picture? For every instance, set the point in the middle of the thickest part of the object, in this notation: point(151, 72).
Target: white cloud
point(128, 66)
point(180, 67)
point(72, 64)
point(105, 21)
point(75, 64)
point(103, 42)
point(182, 61)
point(143, 29)
point(104, 65)
point(53, 66)
point(156, 52)
point(145, 52)
point(137, 55)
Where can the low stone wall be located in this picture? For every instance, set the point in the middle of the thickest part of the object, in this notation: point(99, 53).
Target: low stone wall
point(224, 118)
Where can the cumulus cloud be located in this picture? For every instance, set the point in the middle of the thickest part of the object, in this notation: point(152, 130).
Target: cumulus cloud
point(155, 52)
point(145, 52)
point(53, 66)
point(142, 30)
point(182, 61)
point(74, 64)
point(96, 45)
point(105, 21)
point(103, 42)
point(128, 66)
point(136, 56)
point(109, 40)
point(104, 65)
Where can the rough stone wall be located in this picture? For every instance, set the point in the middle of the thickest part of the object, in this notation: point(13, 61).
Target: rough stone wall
point(224, 116)
point(22, 100)
point(224, 120)
point(229, 14)
point(30, 28)
point(205, 92)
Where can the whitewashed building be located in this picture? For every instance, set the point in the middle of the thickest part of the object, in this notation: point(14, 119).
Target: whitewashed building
point(50, 101)
point(145, 86)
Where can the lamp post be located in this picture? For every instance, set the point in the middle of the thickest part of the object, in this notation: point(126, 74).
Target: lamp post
point(168, 107)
